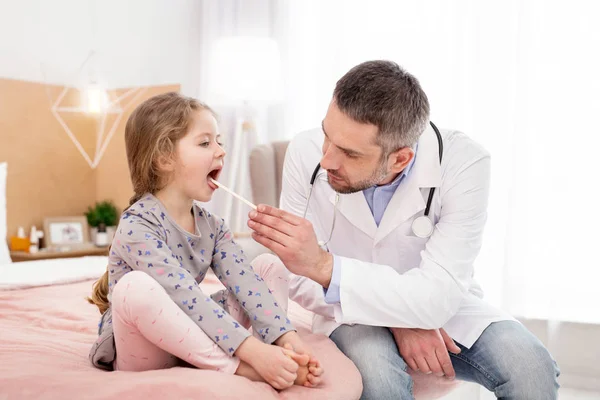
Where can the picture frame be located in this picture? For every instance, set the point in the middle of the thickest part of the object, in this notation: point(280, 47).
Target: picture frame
point(66, 232)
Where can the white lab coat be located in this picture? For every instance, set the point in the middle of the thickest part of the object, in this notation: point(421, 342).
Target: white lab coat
point(390, 277)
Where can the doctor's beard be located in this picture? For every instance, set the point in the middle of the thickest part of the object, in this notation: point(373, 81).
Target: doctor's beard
point(378, 175)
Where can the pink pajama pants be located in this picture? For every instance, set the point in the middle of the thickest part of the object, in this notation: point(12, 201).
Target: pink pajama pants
point(152, 332)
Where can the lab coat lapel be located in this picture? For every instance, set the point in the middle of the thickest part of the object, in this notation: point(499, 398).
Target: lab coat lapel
point(408, 199)
point(355, 209)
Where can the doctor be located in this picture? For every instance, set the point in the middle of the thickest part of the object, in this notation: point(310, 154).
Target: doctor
point(382, 244)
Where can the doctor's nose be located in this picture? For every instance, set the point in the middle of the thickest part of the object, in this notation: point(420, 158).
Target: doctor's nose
point(330, 161)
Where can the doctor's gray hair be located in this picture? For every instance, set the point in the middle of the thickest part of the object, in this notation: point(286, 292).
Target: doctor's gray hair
point(383, 94)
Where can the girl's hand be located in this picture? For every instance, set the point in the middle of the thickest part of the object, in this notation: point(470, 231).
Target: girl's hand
point(313, 370)
point(274, 364)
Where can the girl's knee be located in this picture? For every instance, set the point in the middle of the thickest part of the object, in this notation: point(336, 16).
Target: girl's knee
point(133, 285)
point(133, 278)
point(268, 264)
point(265, 258)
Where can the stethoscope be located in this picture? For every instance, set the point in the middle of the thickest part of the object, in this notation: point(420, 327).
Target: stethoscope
point(422, 226)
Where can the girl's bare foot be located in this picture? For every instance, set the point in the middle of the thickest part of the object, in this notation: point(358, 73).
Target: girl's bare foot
point(302, 361)
point(315, 373)
point(269, 363)
point(247, 371)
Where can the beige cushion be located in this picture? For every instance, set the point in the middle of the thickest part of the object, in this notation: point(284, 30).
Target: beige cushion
point(266, 166)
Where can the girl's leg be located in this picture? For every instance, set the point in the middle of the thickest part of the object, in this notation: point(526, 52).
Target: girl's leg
point(270, 268)
point(275, 275)
point(151, 332)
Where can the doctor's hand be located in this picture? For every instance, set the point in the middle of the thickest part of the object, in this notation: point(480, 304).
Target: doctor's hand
point(294, 241)
point(426, 350)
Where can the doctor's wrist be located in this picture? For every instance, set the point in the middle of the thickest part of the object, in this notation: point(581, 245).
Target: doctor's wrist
point(324, 269)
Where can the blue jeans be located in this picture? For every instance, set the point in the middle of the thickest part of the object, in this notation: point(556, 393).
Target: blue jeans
point(506, 359)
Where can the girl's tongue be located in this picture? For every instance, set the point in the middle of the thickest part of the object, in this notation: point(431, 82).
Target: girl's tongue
point(210, 184)
point(214, 174)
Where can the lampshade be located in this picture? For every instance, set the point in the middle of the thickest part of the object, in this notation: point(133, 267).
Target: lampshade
point(245, 69)
point(95, 99)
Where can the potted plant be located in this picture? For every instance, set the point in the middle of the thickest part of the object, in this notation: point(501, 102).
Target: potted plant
point(104, 214)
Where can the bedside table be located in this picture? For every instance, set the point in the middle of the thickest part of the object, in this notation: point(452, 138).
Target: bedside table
point(45, 254)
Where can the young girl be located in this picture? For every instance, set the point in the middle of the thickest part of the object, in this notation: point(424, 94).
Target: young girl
point(154, 311)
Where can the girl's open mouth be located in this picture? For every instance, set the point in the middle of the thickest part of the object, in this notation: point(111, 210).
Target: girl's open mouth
point(214, 174)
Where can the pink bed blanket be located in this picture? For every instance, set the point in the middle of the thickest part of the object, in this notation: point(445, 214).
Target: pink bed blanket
point(46, 334)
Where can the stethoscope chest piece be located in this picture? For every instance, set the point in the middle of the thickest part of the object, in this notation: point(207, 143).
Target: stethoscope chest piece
point(422, 227)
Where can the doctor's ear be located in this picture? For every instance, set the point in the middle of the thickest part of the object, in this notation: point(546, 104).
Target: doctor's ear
point(399, 159)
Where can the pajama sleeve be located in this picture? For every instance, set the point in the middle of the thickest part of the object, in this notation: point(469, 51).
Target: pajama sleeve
point(142, 245)
point(250, 290)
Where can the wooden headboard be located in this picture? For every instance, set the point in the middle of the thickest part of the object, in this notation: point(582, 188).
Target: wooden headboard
point(47, 176)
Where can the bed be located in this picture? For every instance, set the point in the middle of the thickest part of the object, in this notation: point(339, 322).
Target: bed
point(47, 328)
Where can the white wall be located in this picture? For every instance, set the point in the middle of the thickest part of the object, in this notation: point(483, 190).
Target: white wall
point(137, 42)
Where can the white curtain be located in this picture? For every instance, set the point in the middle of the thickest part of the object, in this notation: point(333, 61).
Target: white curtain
point(522, 78)
point(220, 19)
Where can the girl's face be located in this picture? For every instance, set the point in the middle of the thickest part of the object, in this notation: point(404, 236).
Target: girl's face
point(198, 157)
